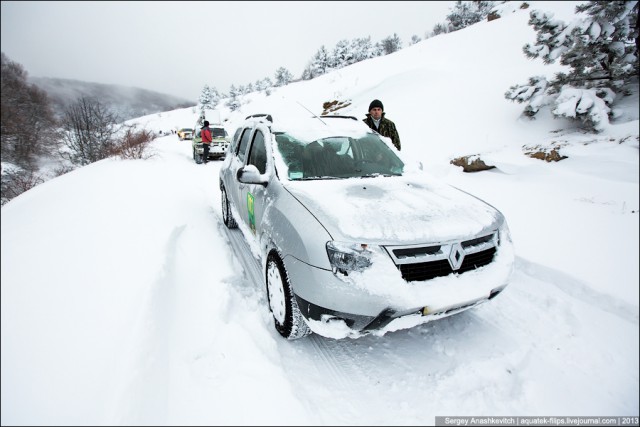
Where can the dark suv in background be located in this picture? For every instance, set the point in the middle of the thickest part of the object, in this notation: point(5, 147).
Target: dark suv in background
point(218, 146)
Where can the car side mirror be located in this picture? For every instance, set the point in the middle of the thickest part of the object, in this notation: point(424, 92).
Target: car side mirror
point(250, 174)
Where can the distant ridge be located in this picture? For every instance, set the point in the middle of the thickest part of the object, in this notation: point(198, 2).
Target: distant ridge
point(127, 102)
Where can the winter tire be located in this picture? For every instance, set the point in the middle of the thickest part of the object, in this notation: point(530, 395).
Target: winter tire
point(227, 216)
point(289, 321)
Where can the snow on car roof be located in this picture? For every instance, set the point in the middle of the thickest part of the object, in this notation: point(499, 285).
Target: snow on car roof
point(309, 128)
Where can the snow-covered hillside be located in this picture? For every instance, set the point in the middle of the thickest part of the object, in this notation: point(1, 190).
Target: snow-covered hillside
point(125, 300)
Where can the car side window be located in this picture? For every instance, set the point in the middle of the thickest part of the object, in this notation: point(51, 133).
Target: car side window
point(258, 153)
point(244, 142)
point(235, 141)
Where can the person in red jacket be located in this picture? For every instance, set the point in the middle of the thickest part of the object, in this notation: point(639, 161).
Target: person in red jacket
point(205, 134)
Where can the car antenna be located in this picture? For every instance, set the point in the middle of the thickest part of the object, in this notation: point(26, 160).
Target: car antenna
point(314, 115)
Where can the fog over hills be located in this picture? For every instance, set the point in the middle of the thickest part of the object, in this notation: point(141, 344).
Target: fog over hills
point(127, 102)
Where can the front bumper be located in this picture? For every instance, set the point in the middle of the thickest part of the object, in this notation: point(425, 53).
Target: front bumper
point(382, 301)
point(335, 324)
point(215, 149)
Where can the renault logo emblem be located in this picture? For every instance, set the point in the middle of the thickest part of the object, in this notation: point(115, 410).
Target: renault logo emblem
point(456, 256)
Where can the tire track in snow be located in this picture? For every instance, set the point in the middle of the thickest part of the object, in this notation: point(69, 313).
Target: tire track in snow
point(578, 289)
point(150, 362)
point(252, 268)
point(329, 357)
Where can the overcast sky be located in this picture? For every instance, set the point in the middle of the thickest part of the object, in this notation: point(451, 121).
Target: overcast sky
point(178, 47)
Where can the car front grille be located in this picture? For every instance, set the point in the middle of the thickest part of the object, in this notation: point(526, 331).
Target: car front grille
point(429, 270)
point(425, 262)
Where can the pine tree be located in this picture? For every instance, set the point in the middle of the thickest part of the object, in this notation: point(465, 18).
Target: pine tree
point(214, 96)
point(208, 100)
point(233, 102)
point(600, 48)
point(440, 28)
point(282, 77)
point(341, 55)
point(361, 49)
point(307, 73)
point(391, 44)
point(320, 62)
point(205, 98)
point(465, 13)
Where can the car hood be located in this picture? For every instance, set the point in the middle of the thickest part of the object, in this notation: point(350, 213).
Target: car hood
point(394, 210)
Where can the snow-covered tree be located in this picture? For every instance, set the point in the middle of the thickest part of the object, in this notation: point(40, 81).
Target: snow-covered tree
point(209, 99)
point(307, 73)
point(320, 62)
point(440, 28)
point(377, 50)
point(233, 102)
point(342, 55)
point(600, 48)
point(263, 84)
point(533, 94)
point(282, 77)
point(465, 13)
point(361, 49)
point(214, 96)
point(414, 39)
point(205, 98)
point(391, 44)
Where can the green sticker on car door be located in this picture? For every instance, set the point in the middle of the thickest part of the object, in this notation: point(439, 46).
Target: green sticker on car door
point(252, 217)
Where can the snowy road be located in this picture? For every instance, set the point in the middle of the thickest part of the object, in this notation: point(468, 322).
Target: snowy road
point(163, 319)
point(521, 353)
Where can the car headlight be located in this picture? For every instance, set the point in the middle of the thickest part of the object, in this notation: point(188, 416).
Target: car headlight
point(347, 257)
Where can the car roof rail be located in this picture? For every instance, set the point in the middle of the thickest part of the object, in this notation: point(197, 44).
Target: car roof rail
point(339, 117)
point(266, 116)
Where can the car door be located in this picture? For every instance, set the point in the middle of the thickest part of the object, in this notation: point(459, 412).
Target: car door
point(237, 161)
point(253, 196)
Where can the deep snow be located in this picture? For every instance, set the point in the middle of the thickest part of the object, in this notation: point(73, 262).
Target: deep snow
point(126, 301)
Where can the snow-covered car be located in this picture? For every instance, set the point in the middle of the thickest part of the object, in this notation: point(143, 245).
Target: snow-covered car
point(185, 133)
point(218, 146)
point(352, 239)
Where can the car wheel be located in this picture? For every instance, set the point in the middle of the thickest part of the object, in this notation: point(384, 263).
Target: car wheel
point(289, 321)
point(227, 216)
point(197, 157)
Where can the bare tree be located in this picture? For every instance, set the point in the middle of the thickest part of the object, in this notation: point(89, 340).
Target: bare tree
point(90, 130)
point(29, 129)
point(16, 182)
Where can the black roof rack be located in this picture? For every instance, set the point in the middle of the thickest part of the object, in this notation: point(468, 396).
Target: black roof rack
point(266, 116)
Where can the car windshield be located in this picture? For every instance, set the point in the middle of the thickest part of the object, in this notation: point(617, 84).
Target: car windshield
point(218, 132)
point(337, 157)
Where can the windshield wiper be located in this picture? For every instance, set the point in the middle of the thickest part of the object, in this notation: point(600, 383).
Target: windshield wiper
point(373, 175)
point(318, 178)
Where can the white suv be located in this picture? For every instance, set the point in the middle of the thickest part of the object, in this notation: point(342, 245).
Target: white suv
point(352, 240)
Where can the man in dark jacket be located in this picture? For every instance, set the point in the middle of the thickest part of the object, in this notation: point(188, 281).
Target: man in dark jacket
point(385, 127)
point(205, 134)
